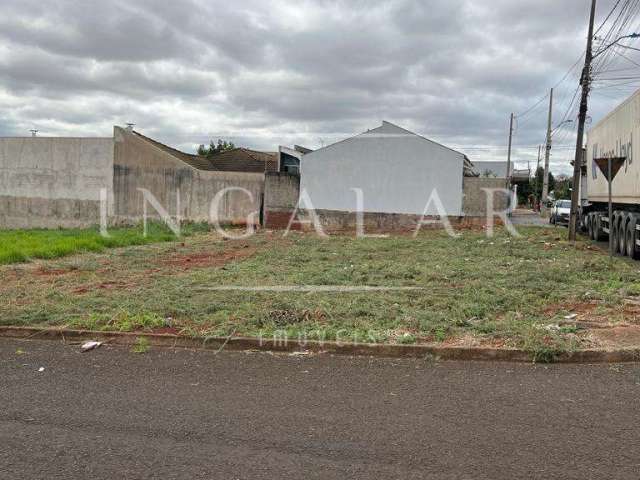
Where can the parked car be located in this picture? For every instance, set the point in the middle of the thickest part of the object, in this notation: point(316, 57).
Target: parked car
point(561, 212)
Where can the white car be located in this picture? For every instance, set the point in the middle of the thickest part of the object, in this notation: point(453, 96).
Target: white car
point(561, 212)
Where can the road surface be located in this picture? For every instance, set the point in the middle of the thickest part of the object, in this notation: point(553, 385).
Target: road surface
point(182, 414)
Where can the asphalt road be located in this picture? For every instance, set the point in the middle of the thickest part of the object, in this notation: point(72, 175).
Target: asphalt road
point(181, 414)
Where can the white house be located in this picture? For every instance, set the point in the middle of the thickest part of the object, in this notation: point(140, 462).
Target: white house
point(396, 170)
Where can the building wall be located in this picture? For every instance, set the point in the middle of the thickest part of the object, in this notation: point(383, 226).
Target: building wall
point(338, 221)
point(141, 165)
point(53, 182)
point(396, 170)
point(281, 193)
point(475, 197)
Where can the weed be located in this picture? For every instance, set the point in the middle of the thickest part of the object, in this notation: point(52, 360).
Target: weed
point(440, 334)
point(407, 339)
point(141, 345)
point(544, 347)
point(121, 321)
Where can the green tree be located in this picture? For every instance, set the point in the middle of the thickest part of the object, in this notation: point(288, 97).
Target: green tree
point(214, 149)
point(563, 188)
point(538, 182)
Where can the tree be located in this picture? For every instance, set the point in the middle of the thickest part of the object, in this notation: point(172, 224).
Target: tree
point(563, 188)
point(214, 149)
point(538, 181)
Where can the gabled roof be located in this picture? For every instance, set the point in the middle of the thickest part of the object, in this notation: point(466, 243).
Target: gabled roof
point(236, 160)
point(391, 130)
point(196, 161)
point(244, 160)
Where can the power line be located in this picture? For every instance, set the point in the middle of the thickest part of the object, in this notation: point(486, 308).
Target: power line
point(523, 114)
point(608, 17)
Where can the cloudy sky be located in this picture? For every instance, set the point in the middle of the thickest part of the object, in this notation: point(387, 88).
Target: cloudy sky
point(270, 72)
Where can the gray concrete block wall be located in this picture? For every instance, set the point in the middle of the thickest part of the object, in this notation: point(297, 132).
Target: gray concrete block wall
point(475, 197)
point(140, 164)
point(53, 182)
point(281, 193)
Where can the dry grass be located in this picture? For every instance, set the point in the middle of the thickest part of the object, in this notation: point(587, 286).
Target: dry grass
point(503, 291)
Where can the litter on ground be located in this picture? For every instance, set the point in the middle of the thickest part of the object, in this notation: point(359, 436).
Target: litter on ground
point(90, 346)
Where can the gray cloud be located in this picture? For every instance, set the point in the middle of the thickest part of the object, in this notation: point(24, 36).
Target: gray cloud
point(265, 72)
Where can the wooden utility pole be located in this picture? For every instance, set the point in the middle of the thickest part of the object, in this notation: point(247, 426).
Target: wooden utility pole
point(585, 81)
point(547, 154)
point(509, 153)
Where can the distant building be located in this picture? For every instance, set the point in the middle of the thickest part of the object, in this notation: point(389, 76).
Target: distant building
point(289, 158)
point(385, 179)
point(234, 160)
point(396, 170)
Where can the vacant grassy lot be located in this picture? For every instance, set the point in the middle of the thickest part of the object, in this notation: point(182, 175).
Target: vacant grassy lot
point(18, 246)
point(536, 292)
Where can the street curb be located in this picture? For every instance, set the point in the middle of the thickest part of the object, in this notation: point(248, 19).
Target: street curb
point(437, 352)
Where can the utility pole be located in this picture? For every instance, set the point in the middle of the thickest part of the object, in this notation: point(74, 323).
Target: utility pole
point(535, 178)
point(547, 154)
point(509, 153)
point(577, 164)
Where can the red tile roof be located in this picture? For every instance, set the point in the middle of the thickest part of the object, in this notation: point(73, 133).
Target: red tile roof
point(236, 160)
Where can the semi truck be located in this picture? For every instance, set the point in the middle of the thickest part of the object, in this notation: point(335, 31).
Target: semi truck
point(615, 137)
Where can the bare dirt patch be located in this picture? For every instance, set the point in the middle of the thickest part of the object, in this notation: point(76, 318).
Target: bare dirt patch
point(53, 272)
point(167, 331)
point(618, 337)
point(582, 310)
point(208, 259)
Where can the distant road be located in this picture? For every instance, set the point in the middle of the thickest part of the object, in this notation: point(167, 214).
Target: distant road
point(529, 218)
point(180, 414)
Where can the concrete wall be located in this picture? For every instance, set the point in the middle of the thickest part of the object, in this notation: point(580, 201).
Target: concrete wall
point(140, 164)
point(337, 221)
point(281, 193)
point(475, 198)
point(396, 170)
point(53, 182)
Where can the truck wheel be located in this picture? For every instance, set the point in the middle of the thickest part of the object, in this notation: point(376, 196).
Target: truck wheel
point(622, 237)
point(589, 222)
point(612, 234)
point(598, 234)
point(631, 236)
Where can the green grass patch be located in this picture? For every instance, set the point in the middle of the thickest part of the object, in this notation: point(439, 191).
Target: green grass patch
point(506, 291)
point(120, 321)
point(20, 246)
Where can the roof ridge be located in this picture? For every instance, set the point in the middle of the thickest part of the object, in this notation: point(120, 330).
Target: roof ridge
point(424, 138)
point(187, 158)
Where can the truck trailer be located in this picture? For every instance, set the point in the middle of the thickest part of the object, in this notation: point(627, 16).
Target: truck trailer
point(614, 137)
